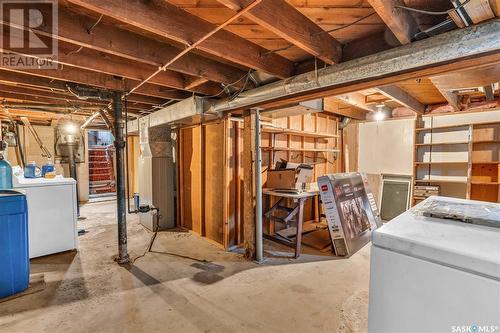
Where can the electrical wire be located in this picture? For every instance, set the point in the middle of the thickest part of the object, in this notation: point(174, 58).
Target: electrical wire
point(421, 11)
point(89, 30)
point(242, 88)
point(246, 77)
point(278, 50)
point(346, 25)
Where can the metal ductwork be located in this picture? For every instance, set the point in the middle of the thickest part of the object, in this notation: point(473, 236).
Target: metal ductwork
point(470, 42)
point(294, 109)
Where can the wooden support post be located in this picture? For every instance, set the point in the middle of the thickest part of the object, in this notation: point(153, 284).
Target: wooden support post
point(248, 184)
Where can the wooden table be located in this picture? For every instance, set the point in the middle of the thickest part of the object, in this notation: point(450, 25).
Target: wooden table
point(297, 211)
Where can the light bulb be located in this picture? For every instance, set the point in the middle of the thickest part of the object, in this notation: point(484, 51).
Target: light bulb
point(379, 116)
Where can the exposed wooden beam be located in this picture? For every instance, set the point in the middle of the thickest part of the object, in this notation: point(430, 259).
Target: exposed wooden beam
point(401, 22)
point(47, 100)
point(371, 44)
point(402, 97)
point(286, 21)
point(495, 5)
point(113, 65)
point(451, 97)
point(54, 98)
point(88, 78)
point(356, 99)
point(477, 77)
point(166, 20)
point(73, 28)
point(455, 50)
point(332, 104)
point(51, 84)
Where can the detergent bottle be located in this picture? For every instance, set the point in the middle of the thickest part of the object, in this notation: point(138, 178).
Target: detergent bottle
point(48, 167)
point(30, 170)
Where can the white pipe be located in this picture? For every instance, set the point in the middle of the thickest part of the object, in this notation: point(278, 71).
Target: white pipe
point(259, 252)
point(89, 120)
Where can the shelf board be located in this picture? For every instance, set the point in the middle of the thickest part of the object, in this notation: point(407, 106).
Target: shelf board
point(485, 141)
point(279, 130)
point(301, 149)
point(454, 162)
point(486, 123)
point(440, 181)
point(455, 126)
point(423, 129)
point(485, 183)
point(489, 162)
point(442, 143)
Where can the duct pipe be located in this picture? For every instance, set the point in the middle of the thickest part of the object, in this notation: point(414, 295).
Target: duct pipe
point(367, 72)
point(121, 211)
point(259, 253)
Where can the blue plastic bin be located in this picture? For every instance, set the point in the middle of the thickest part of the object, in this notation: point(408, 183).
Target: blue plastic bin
point(14, 254)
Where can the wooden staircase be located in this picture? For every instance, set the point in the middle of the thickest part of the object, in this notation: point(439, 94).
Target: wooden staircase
point(101, 170)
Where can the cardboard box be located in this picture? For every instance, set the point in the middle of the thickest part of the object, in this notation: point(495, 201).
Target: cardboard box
point(288, 179)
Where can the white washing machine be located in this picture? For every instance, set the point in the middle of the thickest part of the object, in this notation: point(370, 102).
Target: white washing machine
point(436, 275)
point(52, 221)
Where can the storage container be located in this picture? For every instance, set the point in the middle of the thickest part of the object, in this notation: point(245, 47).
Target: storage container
point(14, 254)
point(5, 174)
point(30, 170)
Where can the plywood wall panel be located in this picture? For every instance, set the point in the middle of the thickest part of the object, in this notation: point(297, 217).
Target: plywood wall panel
point(214, 180)
point(191, 175)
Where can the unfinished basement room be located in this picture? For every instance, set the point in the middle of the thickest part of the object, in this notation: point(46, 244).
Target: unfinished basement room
point(250, 166)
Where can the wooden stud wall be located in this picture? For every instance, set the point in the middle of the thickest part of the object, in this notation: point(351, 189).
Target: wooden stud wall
point(210, 178)
point(211, 169)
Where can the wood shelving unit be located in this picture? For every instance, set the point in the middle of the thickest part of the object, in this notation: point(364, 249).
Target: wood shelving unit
point(309, 138)
point(464, 159)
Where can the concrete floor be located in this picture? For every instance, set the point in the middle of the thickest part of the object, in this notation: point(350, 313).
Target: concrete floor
point(186, 285)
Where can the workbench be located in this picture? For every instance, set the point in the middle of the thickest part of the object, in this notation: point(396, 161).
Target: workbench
point(295, 213)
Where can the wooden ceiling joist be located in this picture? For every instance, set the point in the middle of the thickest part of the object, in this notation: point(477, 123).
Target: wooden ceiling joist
point(22, 81)
point(61, 99)
point(104, 37)
point(332, 104)
point(356, 99)
point(478, 77)
point(455, 50)
point(113, 65)
point(89, 78)
point(402, 97)
point(166, 20)
point(401, 22)
point(286, 21)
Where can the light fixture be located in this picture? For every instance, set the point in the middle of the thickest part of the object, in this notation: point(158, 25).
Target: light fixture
point(71, 128)
point(379, 114)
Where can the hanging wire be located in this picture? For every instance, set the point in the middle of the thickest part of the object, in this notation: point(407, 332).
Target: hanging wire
point(89, 30)
point(421, 11)
point(75, 51)
point(242, 88)
point(246, 77)
point(277, 50)
point(345, 26)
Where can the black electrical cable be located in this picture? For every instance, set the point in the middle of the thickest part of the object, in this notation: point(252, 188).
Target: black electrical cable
point(421, 11)
point(346, 25)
